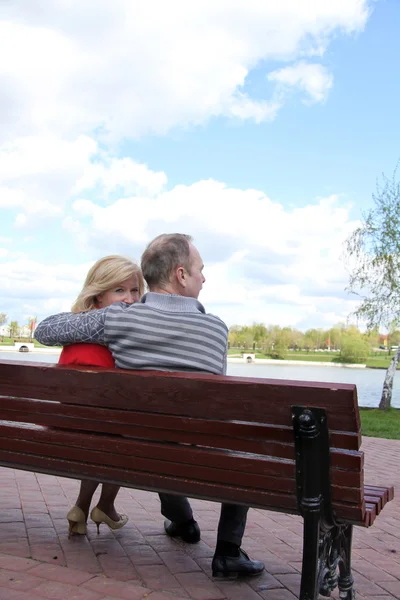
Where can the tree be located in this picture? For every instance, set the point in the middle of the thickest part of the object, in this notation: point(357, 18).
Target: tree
point(14, 328)
point(373, 251)
point(354, 349)
point(3, 318)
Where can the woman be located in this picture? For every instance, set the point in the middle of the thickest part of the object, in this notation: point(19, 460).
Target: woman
point(111, 279)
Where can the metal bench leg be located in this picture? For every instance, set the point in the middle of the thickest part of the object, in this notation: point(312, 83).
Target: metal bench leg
point(346, 581)
point(309, 572)
point(335, 554)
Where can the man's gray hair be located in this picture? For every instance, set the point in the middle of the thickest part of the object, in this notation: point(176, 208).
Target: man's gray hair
point(163, 255)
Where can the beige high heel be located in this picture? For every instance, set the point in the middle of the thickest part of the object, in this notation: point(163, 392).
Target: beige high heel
point(98, 516)
point(77, 521)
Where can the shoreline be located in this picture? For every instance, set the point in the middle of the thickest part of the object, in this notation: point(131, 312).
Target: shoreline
point(49, 350)
point(237, 360)
point(273, 361)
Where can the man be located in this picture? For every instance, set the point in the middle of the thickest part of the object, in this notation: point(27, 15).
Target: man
point(167, 330)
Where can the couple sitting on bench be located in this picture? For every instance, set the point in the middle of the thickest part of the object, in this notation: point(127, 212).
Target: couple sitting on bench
point(113, 324)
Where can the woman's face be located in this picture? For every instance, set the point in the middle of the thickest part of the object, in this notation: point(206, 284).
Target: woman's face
point(127, 291)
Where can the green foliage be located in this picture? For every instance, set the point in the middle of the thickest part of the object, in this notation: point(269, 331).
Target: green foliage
point(354, 349)
point(3, 318)
point(276, 341)
point(373, 252)
point(14, 329)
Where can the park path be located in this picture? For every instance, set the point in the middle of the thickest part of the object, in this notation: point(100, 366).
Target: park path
point(39, 562)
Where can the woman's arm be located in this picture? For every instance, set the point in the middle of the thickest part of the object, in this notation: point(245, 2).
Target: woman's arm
point(70, 328)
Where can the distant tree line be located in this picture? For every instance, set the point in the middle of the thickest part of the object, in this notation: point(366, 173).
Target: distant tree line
point(12, 329)
point(276, 341)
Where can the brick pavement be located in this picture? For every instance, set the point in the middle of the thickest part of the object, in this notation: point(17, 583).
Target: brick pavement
point(39, 562)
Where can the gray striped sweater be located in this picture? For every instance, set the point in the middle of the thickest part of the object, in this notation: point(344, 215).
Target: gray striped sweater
point(162, 331)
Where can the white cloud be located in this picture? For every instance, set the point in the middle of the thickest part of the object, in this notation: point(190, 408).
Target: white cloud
point(122, 175)
point(263, 261)
point(313, 78)
point(77, 78)
point(128, 67)
point(37, 174)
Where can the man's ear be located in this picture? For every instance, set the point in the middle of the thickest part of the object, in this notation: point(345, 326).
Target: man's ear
point(181, 276)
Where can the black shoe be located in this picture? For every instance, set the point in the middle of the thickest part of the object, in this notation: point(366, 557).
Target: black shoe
point(189, 532)
point(235, 566)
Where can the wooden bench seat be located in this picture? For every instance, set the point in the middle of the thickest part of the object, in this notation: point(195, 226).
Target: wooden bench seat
point(290, 446)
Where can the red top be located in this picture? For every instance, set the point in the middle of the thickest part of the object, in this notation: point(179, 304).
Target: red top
point(86, 354)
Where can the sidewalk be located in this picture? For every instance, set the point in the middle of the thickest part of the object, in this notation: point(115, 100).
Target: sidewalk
point(39, 562)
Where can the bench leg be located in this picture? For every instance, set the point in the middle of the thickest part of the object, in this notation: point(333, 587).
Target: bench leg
point(309, 572)
point(346, 581)
point(335, 554)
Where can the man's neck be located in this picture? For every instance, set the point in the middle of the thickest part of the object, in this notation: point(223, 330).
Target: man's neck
point(168, 289)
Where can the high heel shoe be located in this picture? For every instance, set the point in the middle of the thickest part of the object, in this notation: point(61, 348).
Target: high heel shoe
point(98, 516)
point(77, 521)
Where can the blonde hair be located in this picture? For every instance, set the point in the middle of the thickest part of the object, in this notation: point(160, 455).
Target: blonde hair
point(105, 274)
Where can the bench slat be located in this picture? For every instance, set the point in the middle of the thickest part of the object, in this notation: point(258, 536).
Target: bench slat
point(207, 456)
point(186, 486)
point(344, 459)
point(233, 432)
point(183, 393)
point(203, 464)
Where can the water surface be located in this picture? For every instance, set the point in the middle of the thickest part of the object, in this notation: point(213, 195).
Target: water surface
point(369, 382)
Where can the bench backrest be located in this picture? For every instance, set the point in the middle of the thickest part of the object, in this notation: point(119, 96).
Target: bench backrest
point(207, 436)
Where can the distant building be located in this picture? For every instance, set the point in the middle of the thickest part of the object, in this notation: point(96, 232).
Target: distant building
point(25, 331)
point(383, 339)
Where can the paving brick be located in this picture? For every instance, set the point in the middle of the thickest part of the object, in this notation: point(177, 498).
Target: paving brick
point(199, 586)
point(118, 567)
point(56, 590)
point(291, 582)
point(265, 581)
point(34, 508)
point(179, 562)
point(7, 594)
point(16, 548)
point(163, 543)
point(51, 553)
point(158, 577)
point(12, 531)
point(281, 594)
point(116, 589)
point(149, 527)
point(18, 580)
point(371, 571)
point(393, 587)
point(367, 587)
point(237, 590)
point(141, 554)
point(15, 563)
point(60, 574)
point(163, 596)
point(11, 515)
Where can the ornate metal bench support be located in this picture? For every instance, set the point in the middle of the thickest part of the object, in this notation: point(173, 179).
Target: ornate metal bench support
point(326, 544)
point(335, 554)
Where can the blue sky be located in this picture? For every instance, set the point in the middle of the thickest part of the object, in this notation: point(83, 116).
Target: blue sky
point(260, 130)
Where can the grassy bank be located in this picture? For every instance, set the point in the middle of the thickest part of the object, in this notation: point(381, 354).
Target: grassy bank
point(374, 362)
point(380, 423)
point(5, 341)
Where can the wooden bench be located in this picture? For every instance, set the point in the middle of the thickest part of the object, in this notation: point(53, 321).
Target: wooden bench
point(284, 446)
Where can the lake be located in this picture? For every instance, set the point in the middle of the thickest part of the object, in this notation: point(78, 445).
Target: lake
point(369, 382)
